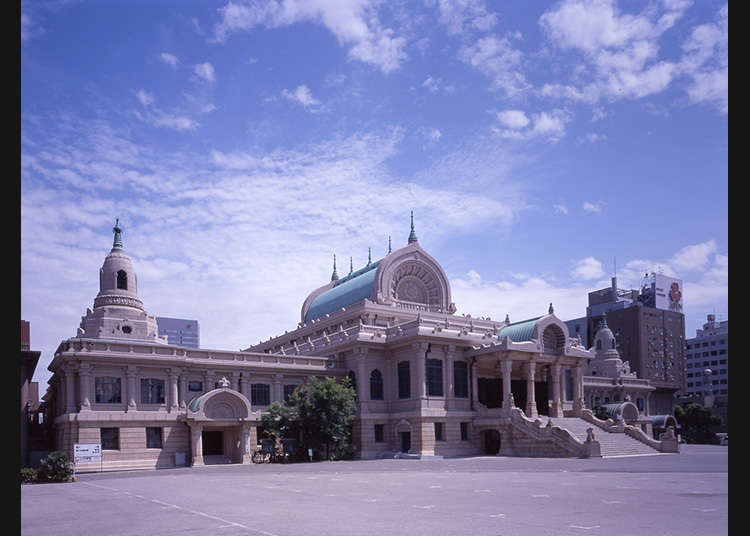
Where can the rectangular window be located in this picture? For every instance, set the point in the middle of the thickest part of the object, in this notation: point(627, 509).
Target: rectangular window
point(110, 438)
point(460, 379)
point(288, 390)
point(404, 380)
point(260, 394)
point(722, 382)
point(152, 391)
point(153, 438)
point(690, 375)
point(464, 431)
point(438, 431)
point(195, 387)
point(108, 390)
point(722, 352)
point(689, 384)
point(379, 433)
point(434, 377)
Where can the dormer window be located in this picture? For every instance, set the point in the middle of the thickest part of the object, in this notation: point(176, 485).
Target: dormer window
point(126, 329)
point(122, 280)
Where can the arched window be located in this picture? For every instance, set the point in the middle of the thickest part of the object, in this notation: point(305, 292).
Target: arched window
point(553, 340)
point(376, 385)
point(613, 344)
point(122, 280)
point(404, 380)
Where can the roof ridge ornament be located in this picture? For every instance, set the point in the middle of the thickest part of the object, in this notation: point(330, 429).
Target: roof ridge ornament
point(117, 244)
point(334, 275)
point(369, 256)
point(351, 266)
point(551, 309)
point(412, 234)
point(389, 245)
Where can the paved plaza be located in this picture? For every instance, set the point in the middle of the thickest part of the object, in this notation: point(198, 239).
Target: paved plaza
point(668, 494)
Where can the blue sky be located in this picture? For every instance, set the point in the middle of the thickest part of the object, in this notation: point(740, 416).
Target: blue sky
point(242, 144)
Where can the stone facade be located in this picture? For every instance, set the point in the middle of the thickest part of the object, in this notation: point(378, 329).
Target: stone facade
point(428, 382)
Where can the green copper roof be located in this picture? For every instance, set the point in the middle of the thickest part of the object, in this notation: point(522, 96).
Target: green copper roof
point(118, 235)
point(194, 403)
point(347, 290)
point(519, 331)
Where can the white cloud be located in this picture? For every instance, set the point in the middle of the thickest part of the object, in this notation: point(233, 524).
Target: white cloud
point(354, 23)
point(513, 118)
point(592, 207)
point(301, 95)
point(548, 124)
point(592, 137)
point(431, 84)
point(496, 58)
point(144, 97)
point(169, 59)
point(205, 71)
point(621, 49)
point(587, 269)
point(434, 134)
point(706, 62)
point(462, 16)
point(561, 209)
point(693, 257)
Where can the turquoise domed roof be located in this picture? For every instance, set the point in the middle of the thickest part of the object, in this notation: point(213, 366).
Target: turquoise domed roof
point(353, 288)
point(519, 331)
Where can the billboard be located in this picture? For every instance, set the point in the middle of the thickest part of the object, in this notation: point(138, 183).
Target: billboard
point(668, 293)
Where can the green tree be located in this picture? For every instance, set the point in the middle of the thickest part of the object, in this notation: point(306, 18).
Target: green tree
point(696, 422)
point(325, 409)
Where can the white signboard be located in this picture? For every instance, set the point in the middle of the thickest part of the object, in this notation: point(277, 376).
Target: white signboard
point(667, 293)
point(87, 452)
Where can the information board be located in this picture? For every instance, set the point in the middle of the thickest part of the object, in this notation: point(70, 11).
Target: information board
point(87, 452)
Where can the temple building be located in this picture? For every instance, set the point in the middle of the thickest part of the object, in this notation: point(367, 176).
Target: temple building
point(428, 382)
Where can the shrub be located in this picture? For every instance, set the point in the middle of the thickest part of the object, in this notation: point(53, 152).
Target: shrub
point(28, 475)
point(55, 468)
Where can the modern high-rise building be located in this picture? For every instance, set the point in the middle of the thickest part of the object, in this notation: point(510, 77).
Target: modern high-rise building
point(649, 329)
point(708, 352)
point(179, 331)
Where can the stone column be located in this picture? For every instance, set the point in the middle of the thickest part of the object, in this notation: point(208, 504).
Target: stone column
point(420, 349)
point(174, 403)
point(530, 391)
point(449, 381)
point(474, 385)
point(556, 408)
point(84, 377)
point(578, 388)
point(362, 383)
point(70, 400)
point(236, 381)
point(506, 367)
point(196, 442)
point(130, 372)
point(647, 407)
point(278, 394)
point(208, 381)
point(183, 390)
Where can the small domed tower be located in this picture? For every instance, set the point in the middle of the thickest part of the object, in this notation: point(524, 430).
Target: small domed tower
point(607, 361)
point(118, 311)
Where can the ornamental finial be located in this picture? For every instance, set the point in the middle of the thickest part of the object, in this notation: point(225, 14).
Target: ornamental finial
point(369, 256)
point(389, 244)
point(118, 235)
point(551, 309)
point(507, 318)
point(334, 275)
point(412, 234)
point(351, 266)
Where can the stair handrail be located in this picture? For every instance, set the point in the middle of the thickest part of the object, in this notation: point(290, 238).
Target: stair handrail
point(558, 435)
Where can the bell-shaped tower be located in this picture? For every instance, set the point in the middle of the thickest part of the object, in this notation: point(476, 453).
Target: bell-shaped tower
point(118, 311)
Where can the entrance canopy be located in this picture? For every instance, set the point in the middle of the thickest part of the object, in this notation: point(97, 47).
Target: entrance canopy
point(221, 404)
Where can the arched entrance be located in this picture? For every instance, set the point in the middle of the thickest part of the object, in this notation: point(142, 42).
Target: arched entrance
point(222, 427)
point(491, 442)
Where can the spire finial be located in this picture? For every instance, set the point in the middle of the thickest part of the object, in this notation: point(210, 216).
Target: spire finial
point(507, 318)
point(551, 309)
point(412, 234)
point(369, 256)
point(117, 244)
point(389, 245)
point(334, 275)
point(351, 266)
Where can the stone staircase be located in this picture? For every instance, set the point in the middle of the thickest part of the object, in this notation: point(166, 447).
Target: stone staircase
point(612, 444)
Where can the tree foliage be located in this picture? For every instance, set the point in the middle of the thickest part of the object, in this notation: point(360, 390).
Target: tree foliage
point(697, 422)
point(319, 413)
